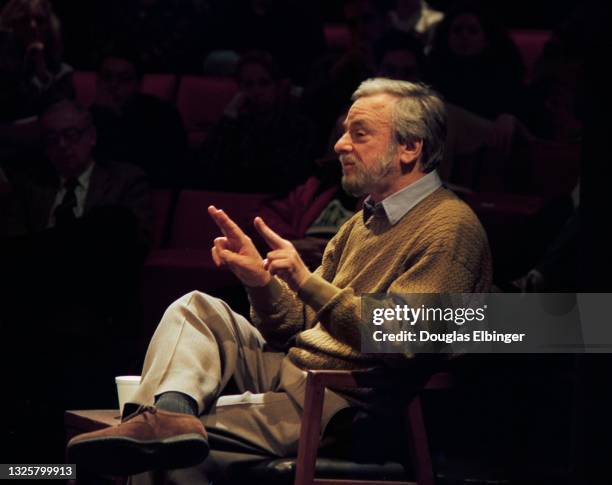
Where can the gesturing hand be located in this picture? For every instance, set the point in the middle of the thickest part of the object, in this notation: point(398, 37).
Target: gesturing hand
point(283, 260)
point(236, 251)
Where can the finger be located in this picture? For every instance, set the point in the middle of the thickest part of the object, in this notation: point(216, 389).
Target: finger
point(272, 239)
point(222, 243)
point(232, 258)
point(280, 265)
point(228, 227)
point(279, 254)
point(216, 257)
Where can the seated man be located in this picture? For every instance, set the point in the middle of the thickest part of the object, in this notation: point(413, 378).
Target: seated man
point(134, 127)
point(413, 236)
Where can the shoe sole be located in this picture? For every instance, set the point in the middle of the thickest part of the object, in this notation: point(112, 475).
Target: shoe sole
point(127, 456)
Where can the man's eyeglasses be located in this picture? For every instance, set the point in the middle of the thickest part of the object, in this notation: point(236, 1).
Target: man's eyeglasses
point(69, 135)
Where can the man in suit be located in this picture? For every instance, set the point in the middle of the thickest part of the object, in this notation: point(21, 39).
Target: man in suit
point(80, 184)
point(90, 220)
point(71, 250)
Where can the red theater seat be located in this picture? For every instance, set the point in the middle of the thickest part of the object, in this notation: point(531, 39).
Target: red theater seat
point(201, 101)
point(186, 263)
point(85, 87)
point(530, 44)
point(337, 36)
point(161, 85)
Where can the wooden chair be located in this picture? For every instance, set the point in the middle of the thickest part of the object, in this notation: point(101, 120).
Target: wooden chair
point(303, 469)
point(316, 383)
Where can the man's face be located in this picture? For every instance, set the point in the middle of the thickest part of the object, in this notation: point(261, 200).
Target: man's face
point(368, 152)
point(68, 137)
point(466, 38)
point(118, 78)
point(258, 85)
point(33, 26)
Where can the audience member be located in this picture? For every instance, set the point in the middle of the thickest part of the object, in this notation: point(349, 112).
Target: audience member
point(417, 18)
point(31, 67)
point(262, 143)
point(135, 127)
point(313, 212)
point(475, 65)
point(556, 91)
point(92, 222)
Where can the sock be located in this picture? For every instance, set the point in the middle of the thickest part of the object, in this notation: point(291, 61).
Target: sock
point(177, 402)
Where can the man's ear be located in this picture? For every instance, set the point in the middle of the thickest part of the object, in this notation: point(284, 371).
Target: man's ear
point(410, 152)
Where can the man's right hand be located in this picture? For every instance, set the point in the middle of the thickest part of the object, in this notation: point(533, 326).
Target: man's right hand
point(236, 251)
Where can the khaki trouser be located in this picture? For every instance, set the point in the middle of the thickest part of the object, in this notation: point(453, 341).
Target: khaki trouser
point(199, 345)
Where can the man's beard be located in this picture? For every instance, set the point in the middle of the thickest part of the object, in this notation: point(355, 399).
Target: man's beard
point(363, 181)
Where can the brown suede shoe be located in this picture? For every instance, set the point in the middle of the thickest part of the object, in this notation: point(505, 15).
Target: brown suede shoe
point(149, 439)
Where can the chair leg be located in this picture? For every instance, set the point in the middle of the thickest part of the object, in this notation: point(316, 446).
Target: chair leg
point(419, 444)
point(310, 432)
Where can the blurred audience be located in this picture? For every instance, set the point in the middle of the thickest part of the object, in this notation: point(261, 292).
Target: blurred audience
point(290, 30)
point(474, 63)
point(262, 143)
point(477, 149)
point(134, 127)
point(31, 74)
point(336, 75)
point(168, 35)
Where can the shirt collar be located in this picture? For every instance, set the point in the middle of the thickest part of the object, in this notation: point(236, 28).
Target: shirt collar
point(83, 179)
point(398, 204)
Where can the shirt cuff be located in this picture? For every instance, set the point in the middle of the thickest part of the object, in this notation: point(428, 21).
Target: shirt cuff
point(317, 292)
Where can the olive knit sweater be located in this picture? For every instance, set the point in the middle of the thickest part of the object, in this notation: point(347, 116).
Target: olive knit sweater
point(438, 246)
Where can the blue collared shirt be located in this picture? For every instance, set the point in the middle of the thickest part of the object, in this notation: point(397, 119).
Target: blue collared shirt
point(398, 204)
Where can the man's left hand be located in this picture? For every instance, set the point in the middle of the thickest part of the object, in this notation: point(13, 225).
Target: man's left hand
point(284, 260)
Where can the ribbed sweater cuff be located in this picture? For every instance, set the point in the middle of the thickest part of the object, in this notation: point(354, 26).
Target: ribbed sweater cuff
point(317, 292)
point(264, 298)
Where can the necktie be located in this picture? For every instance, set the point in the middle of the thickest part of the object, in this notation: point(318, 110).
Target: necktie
point(64, 213)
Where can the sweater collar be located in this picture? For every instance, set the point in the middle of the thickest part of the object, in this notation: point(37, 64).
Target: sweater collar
point(398, 204)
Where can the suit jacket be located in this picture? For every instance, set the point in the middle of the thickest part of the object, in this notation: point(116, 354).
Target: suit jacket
point(28, 208)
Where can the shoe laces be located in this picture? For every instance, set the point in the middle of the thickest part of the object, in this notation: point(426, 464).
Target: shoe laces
point(143, 408)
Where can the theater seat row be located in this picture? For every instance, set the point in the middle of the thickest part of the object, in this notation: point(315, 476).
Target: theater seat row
point(199, 99)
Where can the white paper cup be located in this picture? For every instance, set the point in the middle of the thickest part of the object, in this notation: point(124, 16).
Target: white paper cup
point(126, 387)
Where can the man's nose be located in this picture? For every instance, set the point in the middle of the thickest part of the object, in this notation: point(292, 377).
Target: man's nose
point(343, 144)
